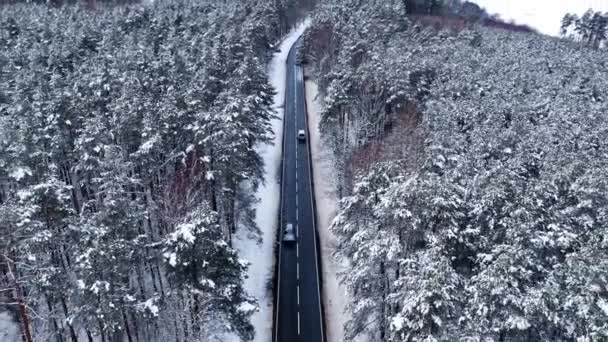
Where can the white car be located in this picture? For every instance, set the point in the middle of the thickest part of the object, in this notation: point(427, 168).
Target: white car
point(289, 234)
point(301, 135)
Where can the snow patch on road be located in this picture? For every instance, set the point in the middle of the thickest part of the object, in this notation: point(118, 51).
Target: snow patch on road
point(261, 254)
point(334, 293)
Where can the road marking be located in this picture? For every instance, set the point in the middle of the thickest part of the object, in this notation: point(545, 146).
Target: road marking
point(298, 288)
point(298, 275)
point(297, 250)
point(298, 323)
point(297, 216)
point(295, 98)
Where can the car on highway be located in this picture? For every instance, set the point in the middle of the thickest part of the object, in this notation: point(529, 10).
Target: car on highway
point(301, 135)
point(289, 234)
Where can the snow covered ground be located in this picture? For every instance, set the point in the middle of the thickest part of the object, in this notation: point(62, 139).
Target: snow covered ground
point(261, 255)
point(9, 330)
point(334, 294)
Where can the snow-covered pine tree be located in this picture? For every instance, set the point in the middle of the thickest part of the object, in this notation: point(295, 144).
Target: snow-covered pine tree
point(202, 265)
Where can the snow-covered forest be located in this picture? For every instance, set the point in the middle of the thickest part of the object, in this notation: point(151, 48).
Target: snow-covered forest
point(473, 170)
point(590, 29)
point(127, 161)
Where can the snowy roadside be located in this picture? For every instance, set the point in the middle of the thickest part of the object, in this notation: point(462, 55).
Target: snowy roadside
point(9, 330)
point(334, 293)
point(261, 255)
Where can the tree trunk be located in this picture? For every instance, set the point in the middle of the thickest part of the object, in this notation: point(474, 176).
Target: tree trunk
point(383, 324)
point(76, 191)
point(127, 329)
point(101, 332)
point(160, 281)
point(73, 335)
point(135, 327)
point(58, 334)
point(176, 329)
point(150, 267)
point(140, 281)
point(184, 305)
point(24, 317)
point(194, 308)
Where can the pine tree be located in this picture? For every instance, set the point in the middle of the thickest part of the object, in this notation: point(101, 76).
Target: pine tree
point(202, 264)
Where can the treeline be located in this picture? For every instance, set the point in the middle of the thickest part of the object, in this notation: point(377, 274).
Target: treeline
point(89, 4)
point(473, 174)
point(466, 9)
point(456, 13)
point(591, 29)
point(125, 136)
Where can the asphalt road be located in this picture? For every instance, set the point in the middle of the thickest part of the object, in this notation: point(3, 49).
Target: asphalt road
point(298, 315)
